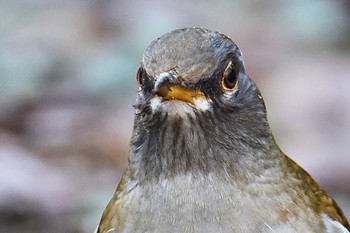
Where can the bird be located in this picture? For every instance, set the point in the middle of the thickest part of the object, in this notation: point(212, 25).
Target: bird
point(202, 155)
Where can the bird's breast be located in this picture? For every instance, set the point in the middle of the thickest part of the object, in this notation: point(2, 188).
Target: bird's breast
point(206, 204)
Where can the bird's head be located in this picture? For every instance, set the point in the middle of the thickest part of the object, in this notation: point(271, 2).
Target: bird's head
point(195, 98)
point(191, 71)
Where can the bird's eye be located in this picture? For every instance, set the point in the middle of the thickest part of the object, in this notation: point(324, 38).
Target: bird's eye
point(139, 77)
point(230, 77)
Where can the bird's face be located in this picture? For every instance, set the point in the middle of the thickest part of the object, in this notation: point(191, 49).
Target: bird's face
point(192, 71)
point(194, 93)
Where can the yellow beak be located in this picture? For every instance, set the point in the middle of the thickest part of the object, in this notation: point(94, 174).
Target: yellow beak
point(174, 92)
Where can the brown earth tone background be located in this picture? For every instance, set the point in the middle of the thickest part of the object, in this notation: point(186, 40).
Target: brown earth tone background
point(67, 85)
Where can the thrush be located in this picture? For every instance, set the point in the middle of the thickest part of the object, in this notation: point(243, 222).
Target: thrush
point(202, 155)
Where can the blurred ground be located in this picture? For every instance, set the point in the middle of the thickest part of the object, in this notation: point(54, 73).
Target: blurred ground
point(67, 77)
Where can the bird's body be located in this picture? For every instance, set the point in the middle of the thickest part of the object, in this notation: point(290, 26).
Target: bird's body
point(202, 155)
point(194, 204)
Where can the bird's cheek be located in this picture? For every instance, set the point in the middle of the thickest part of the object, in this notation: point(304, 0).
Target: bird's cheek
point(228, 97)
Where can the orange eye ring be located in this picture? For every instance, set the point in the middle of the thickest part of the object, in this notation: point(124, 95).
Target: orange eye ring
point(139, 75)
point(229, 78)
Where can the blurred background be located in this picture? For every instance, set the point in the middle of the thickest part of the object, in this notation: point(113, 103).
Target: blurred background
point(67, 85)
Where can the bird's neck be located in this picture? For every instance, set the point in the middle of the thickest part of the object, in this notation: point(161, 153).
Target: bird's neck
point(173, 146)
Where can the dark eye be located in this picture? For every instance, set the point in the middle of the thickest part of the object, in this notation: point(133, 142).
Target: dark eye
point(230, 77)
point(139, 77)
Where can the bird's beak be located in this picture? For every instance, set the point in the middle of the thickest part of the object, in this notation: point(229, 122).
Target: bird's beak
point(170, 86)
point(173, 92)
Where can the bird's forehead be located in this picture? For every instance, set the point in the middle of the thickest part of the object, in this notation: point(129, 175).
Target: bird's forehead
point(192, 52)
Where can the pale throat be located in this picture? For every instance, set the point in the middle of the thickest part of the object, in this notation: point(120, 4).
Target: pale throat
point(180, 108)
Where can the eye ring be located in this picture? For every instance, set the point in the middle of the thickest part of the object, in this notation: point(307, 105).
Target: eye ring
point(230, 77)
point(139, 76)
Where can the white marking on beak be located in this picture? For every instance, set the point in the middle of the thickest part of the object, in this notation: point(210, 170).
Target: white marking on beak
point(178, 107)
